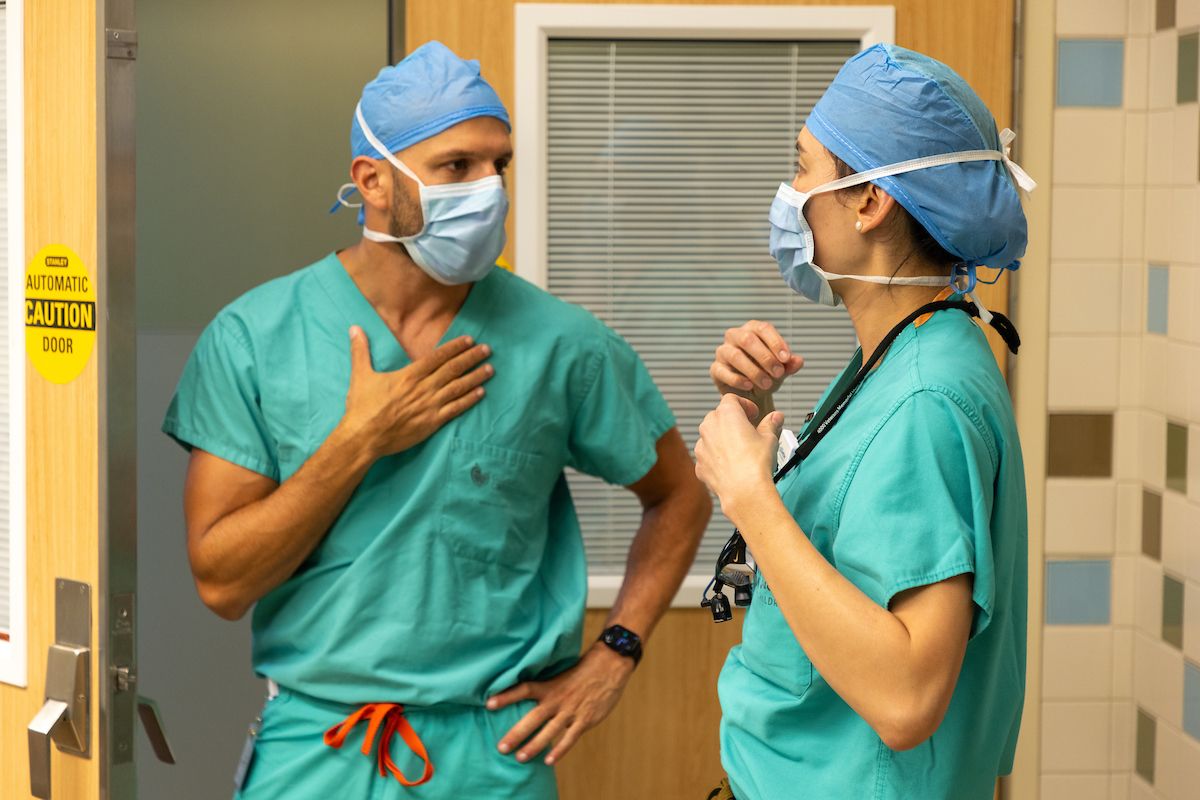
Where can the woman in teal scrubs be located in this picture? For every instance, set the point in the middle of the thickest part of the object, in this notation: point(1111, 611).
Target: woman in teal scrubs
point(883, 651)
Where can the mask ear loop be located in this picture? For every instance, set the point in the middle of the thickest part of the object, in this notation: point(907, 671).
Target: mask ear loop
point(341, 198)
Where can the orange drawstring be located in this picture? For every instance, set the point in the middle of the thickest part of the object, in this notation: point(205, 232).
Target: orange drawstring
point(391, 717)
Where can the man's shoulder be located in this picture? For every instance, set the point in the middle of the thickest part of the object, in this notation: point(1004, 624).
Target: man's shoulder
point(270, 307)
point(544, 313)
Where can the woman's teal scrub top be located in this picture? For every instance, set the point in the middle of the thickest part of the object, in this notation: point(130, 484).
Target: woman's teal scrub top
point(457, 568)
point(920, 481)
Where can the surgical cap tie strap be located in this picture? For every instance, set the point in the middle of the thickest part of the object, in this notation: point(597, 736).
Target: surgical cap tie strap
point(1022, 179)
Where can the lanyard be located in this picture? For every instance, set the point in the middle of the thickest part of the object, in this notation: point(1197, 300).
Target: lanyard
point(732, 568)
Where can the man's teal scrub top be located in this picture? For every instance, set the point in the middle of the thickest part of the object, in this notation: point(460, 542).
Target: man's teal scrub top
point(920, 481)
point(457, 567)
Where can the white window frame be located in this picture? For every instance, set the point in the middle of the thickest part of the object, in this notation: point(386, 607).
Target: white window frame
point(537, 23)
point(13, 652)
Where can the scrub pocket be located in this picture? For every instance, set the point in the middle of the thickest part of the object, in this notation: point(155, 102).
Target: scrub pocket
point(491, 503)
point(770, 649)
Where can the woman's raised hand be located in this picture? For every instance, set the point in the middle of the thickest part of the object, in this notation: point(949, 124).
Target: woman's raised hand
point(753, 361)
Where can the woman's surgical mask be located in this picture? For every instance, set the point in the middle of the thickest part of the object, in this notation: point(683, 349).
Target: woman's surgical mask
point(792, 243)
point(464, 223)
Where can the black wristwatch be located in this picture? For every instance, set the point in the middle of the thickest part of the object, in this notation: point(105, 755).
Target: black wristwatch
point(623, 641)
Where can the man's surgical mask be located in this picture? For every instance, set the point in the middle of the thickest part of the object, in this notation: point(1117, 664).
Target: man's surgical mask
point(792, 243)
point(464, 223)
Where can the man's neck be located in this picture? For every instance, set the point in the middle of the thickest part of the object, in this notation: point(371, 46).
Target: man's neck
point(416, 308)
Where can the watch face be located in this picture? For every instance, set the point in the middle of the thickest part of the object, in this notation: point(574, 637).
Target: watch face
point(621, 639)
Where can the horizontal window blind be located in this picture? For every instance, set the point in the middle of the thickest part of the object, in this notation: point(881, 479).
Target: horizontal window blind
point(663, 158)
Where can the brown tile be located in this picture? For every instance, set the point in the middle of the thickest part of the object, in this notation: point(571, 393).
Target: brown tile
point(1177, 457)
point(1146, 734)
point(1080, 445)
point(1164, 16)
point(1152, 524)
point(1172, 612)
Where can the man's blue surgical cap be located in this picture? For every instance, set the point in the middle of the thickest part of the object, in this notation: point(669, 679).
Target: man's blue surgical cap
point(889, 104)
point(431, 90)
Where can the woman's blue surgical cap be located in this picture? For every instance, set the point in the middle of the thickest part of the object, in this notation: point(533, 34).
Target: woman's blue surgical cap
point(431, 90)
point(889, 104)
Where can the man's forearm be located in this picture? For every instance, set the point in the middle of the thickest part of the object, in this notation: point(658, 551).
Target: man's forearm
point(252, 550)
point(659, 559)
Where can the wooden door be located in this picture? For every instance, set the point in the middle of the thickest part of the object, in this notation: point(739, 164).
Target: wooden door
point(70, 439)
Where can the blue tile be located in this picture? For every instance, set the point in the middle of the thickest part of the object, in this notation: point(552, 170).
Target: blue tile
point(1191, 700)
point(1158, 285)
point(1090, 72)
point(1078, 592)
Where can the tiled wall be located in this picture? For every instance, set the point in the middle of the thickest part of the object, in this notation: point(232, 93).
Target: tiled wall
point(1121, 659)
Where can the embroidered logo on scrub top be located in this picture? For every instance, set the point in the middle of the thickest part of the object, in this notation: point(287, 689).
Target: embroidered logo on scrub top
point(478, 476)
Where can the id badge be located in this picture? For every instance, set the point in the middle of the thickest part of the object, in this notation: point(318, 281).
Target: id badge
point(243, 767)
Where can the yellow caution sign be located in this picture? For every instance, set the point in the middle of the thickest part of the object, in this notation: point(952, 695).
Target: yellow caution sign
point(60, 313)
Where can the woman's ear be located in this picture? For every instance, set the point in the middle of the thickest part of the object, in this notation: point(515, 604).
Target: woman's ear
point(874, 208)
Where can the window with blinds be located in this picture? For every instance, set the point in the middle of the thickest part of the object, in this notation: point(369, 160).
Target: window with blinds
point(663, 158)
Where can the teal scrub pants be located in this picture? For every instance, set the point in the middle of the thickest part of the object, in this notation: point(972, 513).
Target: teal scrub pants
point(291, 759)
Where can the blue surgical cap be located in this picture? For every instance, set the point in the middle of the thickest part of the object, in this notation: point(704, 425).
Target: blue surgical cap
point(889, 104)
point(431, 90)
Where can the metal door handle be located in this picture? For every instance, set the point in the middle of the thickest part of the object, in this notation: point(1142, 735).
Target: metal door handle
point(65, 716)
point(52, 715)
point(152, 722)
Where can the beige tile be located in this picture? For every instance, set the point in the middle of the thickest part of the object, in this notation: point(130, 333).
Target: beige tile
point(1083, 373)
point(1185, 211)
point(1158, 679)
point(1193, 401)
point(1137, 72)
point(1133, 232)
point(1140, 790)
point(1126, 449)
point(1191, 619)
point(1075, 736)
point(1076, 787)
point(1123, 716)
point(1092, 18)
point(1157, 232)
point(1122, 673)
point(1080, 516)
point(1118, 786)
point(1095, 292)
point(1177, 765)
point(1148, 609)
point(1187, 14)
point(1186, 144)
point(1130, 393)
point(1163, 47)
point(1077, 663)
point(1180, 358)
point(1154, 373)
point(1160, 143)
point(1141, 17)
point(1086, 223)
point(1136, 123)
point(1178, 322)
point(1129, 504)
point(1181, 536)
point(1124, 590)
point(1154, 450)
point(1085, 143)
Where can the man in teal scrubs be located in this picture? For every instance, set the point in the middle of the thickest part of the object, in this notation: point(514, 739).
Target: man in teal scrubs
point(378, 444)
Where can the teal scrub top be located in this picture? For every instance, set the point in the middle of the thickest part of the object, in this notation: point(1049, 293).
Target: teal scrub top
point(920, 481)
point(457, 567)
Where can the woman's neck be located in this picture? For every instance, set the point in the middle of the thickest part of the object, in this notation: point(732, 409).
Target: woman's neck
point(877, 308)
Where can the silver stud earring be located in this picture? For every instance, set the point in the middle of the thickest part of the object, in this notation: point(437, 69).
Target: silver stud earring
point(858, 226)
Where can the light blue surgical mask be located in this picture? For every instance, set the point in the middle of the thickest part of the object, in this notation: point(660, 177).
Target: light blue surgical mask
point(793, 247)
point(464, 223)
